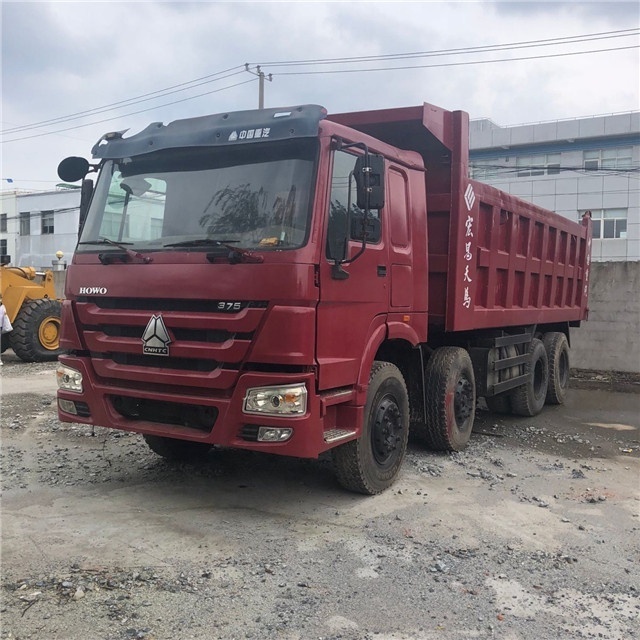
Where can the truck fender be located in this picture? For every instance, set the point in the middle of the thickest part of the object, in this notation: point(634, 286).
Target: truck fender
point(377, 335)
point(397, 330)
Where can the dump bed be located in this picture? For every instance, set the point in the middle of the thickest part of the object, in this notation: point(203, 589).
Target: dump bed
point(494, 260)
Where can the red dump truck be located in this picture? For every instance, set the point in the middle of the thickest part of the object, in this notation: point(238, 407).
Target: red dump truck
point(293, 282)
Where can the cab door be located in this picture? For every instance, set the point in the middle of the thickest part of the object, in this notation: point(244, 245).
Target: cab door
point(354, 304)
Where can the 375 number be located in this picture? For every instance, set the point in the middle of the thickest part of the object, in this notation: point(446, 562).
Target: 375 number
point(229, 306)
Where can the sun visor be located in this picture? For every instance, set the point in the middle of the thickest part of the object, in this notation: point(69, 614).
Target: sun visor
point(236, 127)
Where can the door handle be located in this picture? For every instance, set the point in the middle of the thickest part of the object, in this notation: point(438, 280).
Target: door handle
point(382, 270)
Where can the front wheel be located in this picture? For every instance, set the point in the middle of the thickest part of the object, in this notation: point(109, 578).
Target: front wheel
point(371, 463)
point(450, 389)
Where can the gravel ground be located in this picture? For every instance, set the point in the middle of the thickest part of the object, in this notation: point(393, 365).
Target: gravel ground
point(531, 533)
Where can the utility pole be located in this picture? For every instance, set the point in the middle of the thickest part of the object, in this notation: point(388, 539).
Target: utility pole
point(261, 78)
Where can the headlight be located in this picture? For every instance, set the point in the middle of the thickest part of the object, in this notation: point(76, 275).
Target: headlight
point(69, 379)
point(277, 401)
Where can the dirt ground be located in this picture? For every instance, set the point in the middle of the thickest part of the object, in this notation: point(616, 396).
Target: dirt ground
point(532, 533)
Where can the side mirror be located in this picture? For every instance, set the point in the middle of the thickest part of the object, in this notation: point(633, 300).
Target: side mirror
point(73, 169)
point(369, 182)
point(372, 232)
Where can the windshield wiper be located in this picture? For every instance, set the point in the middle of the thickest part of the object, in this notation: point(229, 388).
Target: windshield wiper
point(107, 258)
point(236, 254)
point(202, 242)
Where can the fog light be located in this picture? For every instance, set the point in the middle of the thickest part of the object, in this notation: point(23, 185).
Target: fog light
point(274, 434)
point(69, 379)
point(68, 406)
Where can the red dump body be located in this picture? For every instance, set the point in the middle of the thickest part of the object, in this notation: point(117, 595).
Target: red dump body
point(494, 260)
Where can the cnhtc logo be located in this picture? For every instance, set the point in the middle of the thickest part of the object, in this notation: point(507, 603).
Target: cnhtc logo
point(155, 339)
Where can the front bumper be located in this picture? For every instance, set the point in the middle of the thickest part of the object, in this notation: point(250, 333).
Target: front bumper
point(197, 414)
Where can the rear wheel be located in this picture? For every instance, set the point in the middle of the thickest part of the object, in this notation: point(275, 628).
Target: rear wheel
point(36, 331)
point(371, 463)
point(557, 349)
point(451, 399)
point(175, 450)
point(528, 399)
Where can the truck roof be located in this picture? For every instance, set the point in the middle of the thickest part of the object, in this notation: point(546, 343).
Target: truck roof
point(230, 128)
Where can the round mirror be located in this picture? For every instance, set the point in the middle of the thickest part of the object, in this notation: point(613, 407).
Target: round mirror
point(73, 169)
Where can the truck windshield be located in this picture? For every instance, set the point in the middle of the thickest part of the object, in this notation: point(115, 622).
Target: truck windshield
point(254, 196)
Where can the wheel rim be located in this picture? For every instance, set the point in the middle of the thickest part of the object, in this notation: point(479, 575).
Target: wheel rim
point(386, 432)
point(49, 333)
point(463, 401)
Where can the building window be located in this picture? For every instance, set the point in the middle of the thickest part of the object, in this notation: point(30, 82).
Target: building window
point(538, 165)
point(608, 223)
point(3, 223)
point(487, 170)
point(47, 222)
point(25, 224)
point(3, 247)
point(617, 158)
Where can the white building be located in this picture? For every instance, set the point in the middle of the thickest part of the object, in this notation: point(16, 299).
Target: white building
point(35, 226)
point(570, 166)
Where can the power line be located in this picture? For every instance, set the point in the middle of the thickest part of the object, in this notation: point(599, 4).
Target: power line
point(604, 35)
point(145, 97)
point(154, 95)
point(455, 64)
point(124, 115)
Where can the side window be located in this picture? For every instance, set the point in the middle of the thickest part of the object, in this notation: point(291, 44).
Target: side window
point(399, 218)
point(343, 223)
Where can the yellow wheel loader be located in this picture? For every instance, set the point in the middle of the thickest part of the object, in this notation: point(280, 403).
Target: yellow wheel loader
point(29, 297)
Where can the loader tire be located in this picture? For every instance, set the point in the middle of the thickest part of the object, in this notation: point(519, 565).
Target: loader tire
point(176, 450)
point(36, 331)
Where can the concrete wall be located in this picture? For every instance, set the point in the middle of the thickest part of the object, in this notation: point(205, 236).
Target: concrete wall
point(610, 339)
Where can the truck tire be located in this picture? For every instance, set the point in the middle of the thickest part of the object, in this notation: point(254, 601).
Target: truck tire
point(451, 399)
point(36, 331)
point(176, 450)
point(528, 399)
point(557, 348)
point(370, 464)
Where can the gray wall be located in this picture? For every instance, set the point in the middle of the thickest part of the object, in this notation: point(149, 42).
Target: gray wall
point(610, 339)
